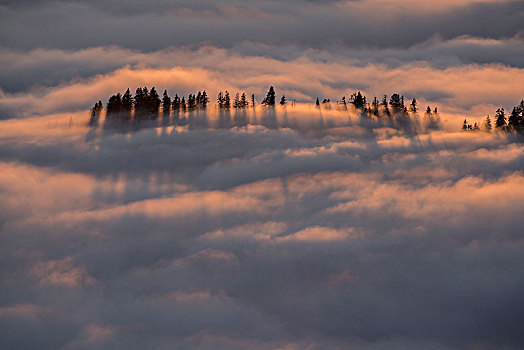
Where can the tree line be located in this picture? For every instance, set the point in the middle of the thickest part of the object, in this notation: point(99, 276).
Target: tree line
point(514, 123)
point(146, 105)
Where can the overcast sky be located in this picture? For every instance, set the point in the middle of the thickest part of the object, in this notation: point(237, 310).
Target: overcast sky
point(346, 45)
point(293, 228)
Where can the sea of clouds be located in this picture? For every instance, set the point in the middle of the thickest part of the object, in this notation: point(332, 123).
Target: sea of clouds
point(292, 228)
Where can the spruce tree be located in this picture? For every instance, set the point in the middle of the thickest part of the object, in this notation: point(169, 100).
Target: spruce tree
point(384, 104)
point(514, 120)
point(270, 97)
point(283, 100)
point(204, 100)
point(220, 100)
point(358, 100)
point(236, 101)
point(227, 100)
point(487, 124)
point(396, 103)
point(166, 104)
point(114, 107)
point(154, 103)
point(176, 104)
point(127, 105)
point(500, 119)
point(413, 106)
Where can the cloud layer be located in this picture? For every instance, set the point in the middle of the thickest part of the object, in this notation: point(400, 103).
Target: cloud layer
point(285, 228)
point(259, 237)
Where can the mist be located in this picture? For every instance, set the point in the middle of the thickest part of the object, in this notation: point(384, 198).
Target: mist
point(293, 226)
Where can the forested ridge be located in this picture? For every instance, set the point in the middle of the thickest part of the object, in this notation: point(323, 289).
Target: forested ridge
point(514, 123)
point(147, 105)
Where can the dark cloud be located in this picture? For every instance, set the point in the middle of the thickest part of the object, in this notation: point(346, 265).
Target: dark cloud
point(146, 26)
point(292, 228)
point(259, 238)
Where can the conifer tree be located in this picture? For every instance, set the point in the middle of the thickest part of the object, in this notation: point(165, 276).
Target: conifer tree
point(204, 100)
point(199, 99)
point(283, 100)
point(191, 102)
point(95, 114)
point(176, 104)
point(253, 103)
point(317, 103)
point(374, 106)
point(236, 101)
point(500, 119)
point(270, 97)
point(183, 106)
point(514, 120)
point(220, 100)
point(487, 124)
point(166, 104)
point(358, 100)
point(227, 100)
point(243, 101)
point(140, 103)
point(154, 103)
point(114, 107)
point(397, 104)
point(413, 106)
point(384, 104)
point(127, 105)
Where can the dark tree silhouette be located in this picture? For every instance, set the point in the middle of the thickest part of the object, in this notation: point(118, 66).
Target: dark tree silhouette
point(227, 100)
point(243, 101)
point(270, 97)
point(236, 101)
point(515, 120)
point(114, 107)
point(95, 114)
point(357, 100)
point(384, 105)
point(500, 119)
point(175, 105)
point(220, 100)
point(127, 105)
point(204, 100)
point(397, 104)
point(183, 106)
point(154, 103)
point(166, 104)
point(253, 103)
point(283, 100)
point(374, 106)
point(413, 106)
point(140, 101)
point(317, 103)
point(487, 124)
point(191, 102)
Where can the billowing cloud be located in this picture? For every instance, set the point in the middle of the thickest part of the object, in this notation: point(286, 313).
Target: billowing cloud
point(275, 238)
point(292, 227)
point(455, 89)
